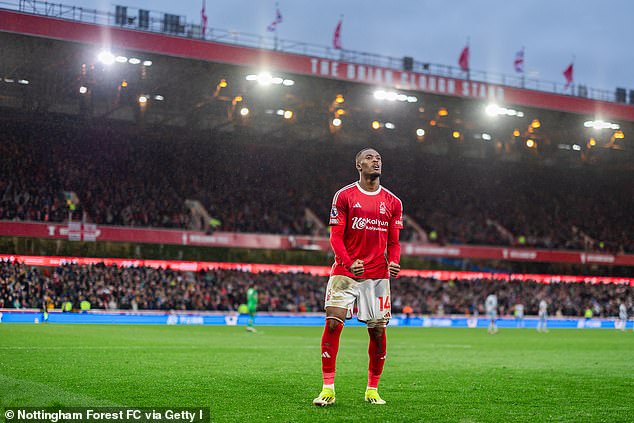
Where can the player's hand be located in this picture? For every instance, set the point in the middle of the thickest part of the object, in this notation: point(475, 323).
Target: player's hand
point(393, 268)
point(357, 267)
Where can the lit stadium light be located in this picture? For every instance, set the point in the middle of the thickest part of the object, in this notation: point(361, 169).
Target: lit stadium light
point(252, 78)
point(433, 122)
point(23, 81)
point(411, 99)
point(83, 90)
point(277, 80)
point(244, 111)
point(336, 122)
point(124, 83)
point(376, 124)
point(495, 110)
point(391, 96)
point(401, 97)
point(576, 147)
point(264, 78)
point(380, 95)
point(121, 59)
point(222, 83)
point(142, 99)
point(486, 137)
point(106, 57)
point(536, 123)
point(455, 134)
point(237, 99)
point(443, 112)
point(288, 114)
point(339, 99)
point(619, 135)
point(147, 63)
point(592, 142)
point(600, 124)
point(516, 132)
point(420, 132)
point(340, 112)
point(389, 125)
point(134, 61)
point(288, 82)
point(159, 97)
point(530, 143)
point(279, 112)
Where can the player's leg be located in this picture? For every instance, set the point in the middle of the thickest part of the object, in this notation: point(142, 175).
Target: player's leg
point(251, 321)
point(340, 296)
point(375, 310)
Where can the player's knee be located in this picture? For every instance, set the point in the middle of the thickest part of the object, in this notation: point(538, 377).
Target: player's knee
point(377, 330)
point(333, 323)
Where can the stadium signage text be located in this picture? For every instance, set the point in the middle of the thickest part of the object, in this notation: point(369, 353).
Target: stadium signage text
point(406, 80)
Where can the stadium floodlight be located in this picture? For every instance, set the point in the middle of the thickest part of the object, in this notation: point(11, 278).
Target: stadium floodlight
point(159, 97)
point(288, 114)
point(516, 132)
point(576, 147)
point(134, 61)
point(106, 57)
point(486, 137)
point(339, 99)
point(336, 122)
point(536, 123)
point(389, 125)
point(244, 111)
point(147, 63)
point(288, 82)
point(496, 110)
point(121, 59)
point(455, 134)
point(492, 109)
point(279, 112)
point(277, 80)
point(619, 135)
point(265, 78)
point(380, 95)
point(23, 81)
point(563, 146)
point(391, 96)
point(83, 90)
point(411, 99)
point(252, 78)
point(401, 97)
point(530, 143)
point(420, 132)
point(592, 142)
point(443, 112)
point(142, 99)
point(600, 124)
point(376, 124)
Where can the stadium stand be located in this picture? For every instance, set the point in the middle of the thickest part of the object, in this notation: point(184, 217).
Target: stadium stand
point(124, 177)
point(145, 288)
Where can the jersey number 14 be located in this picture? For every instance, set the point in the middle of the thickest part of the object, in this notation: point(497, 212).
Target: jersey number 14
point(384, 303)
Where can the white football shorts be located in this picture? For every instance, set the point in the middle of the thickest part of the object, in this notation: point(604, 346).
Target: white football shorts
point(371, 295)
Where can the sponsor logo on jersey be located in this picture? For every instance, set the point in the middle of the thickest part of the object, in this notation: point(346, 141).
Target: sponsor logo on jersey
point(382, 208)
point(370, 224)
point(357, 205)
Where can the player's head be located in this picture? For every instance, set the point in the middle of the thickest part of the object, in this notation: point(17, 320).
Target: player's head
point(368, 163)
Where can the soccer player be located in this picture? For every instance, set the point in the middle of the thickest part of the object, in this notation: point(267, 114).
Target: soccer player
point(366, 219)
point(519, 315)
point(623, 316)
point(491, 307)
point(542, 325)
point(252, 305)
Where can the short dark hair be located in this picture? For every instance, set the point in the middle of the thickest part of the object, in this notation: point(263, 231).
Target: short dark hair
point(360, 153)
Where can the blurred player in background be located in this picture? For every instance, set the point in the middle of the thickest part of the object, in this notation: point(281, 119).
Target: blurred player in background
point(623, 316)
point(519, 315)
point(252, 305)
point(491, 307)
point(366, 220)
point(542, 325)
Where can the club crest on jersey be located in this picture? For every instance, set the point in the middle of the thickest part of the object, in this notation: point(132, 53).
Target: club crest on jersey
point(382, 208)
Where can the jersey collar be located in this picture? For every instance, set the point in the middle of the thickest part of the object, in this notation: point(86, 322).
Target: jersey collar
point(368, 192)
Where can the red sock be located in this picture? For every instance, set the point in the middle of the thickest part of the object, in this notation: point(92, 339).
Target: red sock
point(329, 349)
point(377, 354)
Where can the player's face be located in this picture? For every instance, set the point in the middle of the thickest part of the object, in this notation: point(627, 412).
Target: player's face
point(370, 164)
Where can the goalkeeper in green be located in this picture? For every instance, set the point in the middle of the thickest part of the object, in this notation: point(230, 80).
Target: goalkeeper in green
point(252, 305)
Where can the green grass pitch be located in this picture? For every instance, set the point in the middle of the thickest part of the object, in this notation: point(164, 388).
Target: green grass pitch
point(456, 375)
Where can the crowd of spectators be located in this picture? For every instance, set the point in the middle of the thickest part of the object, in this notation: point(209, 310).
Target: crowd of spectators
point(122, 176)
point(144, 288)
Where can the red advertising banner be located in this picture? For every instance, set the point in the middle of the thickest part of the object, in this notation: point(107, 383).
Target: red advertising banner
point(257, 59)
point(91, 232)
point(196, 266)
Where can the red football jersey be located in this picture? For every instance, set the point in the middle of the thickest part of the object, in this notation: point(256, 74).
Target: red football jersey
point(367, 218)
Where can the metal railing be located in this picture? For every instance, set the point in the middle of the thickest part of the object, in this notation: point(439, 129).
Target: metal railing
point(155, 22)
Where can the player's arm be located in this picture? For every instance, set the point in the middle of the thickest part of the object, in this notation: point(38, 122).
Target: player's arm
point(338, 219)
point(393, 243)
